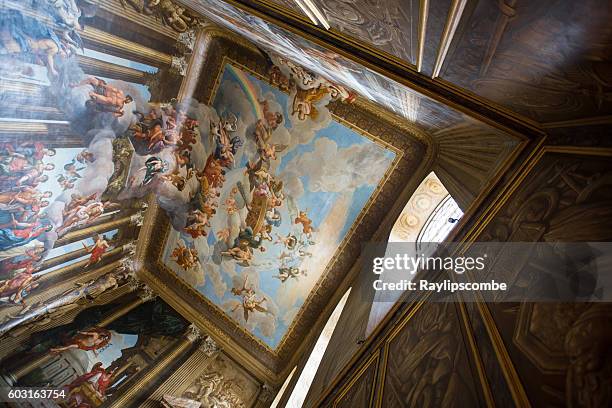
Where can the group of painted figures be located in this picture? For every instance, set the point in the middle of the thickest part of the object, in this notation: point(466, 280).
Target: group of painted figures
point(263, 197)
point(24, 221)
point(48, 36)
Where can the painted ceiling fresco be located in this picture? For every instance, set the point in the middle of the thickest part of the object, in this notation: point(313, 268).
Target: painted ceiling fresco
point(264, 179)
point(268, 219)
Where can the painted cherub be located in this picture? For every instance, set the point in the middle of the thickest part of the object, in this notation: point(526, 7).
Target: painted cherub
point(243, 255)
point(306, 222)
point(250, 303)
point(289, 272)
point(185, 257)
point(179, 181)
point(197, 221)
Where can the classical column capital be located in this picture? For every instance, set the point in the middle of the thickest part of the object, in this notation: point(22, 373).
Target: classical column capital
point(209, 347)
point(187, 40)
point(146, 293)
point(266, 394)
point(179, 64)
point(193, 333)
point(137, 219)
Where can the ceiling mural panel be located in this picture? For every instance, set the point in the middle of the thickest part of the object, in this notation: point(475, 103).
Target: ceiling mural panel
point(269, 221)
point(267, 218)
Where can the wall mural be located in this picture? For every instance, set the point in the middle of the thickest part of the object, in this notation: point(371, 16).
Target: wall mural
point(91, 362)
point(273, 191)
point(57, 182)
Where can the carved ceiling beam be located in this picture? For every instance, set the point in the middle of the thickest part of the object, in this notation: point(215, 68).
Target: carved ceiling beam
point(423, 13)
point(452, 22)
point(96, 67)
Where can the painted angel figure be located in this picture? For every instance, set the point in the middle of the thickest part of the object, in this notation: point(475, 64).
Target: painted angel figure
point(289, 272)
point(250, 303)
point(226, 145)
point(185, 257)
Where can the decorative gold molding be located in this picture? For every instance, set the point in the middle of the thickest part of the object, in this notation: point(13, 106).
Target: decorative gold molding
point(507, 12)
point(514, 383)
point(475, 354)
point(452, 21)
point(592, 121)
point(347, 387)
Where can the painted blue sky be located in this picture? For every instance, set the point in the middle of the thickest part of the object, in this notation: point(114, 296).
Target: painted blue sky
point(343, 206)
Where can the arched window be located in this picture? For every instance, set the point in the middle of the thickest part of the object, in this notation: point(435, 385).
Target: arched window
point(428, 217)
point(440, 222)
point(298, 395)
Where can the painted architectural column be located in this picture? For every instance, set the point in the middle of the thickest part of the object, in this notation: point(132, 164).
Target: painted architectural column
point(103, 224)
point(192, 335)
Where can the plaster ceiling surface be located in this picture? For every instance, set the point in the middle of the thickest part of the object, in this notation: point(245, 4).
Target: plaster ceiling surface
point(528, 56)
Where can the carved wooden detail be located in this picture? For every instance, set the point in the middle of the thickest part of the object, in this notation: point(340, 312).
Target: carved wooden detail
point(565, 198)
